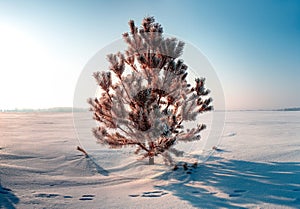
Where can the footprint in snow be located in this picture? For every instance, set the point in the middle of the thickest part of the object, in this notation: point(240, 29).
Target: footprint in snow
point(230, 134)
point(198, 192)
point(45, 195)
point(87, 197)
point(156, 193)
point(237, 193)
point(134, 195)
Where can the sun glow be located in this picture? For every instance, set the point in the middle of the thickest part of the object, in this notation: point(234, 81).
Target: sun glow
point(22, 60)
point(17, 48)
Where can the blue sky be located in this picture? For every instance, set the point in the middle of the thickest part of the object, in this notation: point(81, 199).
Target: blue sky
point(253, 45)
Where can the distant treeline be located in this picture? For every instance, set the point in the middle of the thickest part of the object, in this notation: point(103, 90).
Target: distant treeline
point(54, 109)
point(290, 109)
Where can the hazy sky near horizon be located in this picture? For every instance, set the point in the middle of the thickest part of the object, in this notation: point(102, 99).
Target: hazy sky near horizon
point(254, 46)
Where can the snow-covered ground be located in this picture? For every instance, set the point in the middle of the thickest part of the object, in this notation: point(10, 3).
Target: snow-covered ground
point(256, 165)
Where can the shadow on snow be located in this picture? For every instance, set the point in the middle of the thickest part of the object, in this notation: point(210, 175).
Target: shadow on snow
point(7, 198)
point(228, 184)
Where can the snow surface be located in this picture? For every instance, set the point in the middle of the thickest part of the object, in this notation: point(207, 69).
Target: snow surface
point(256, 165)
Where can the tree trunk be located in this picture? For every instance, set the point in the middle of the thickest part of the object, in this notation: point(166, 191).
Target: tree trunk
point(151, 160)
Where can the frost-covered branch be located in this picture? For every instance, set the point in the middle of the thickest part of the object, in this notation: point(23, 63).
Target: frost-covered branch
point(147, 103)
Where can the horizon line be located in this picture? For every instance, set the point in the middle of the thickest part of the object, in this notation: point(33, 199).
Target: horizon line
point(79, 109)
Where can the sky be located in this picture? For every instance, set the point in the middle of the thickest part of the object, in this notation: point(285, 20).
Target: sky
point(254, 46)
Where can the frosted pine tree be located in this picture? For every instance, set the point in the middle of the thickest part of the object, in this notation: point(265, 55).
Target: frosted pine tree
point(145, 97)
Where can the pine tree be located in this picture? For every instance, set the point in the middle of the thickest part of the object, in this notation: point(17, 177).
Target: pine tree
point(145, 97)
